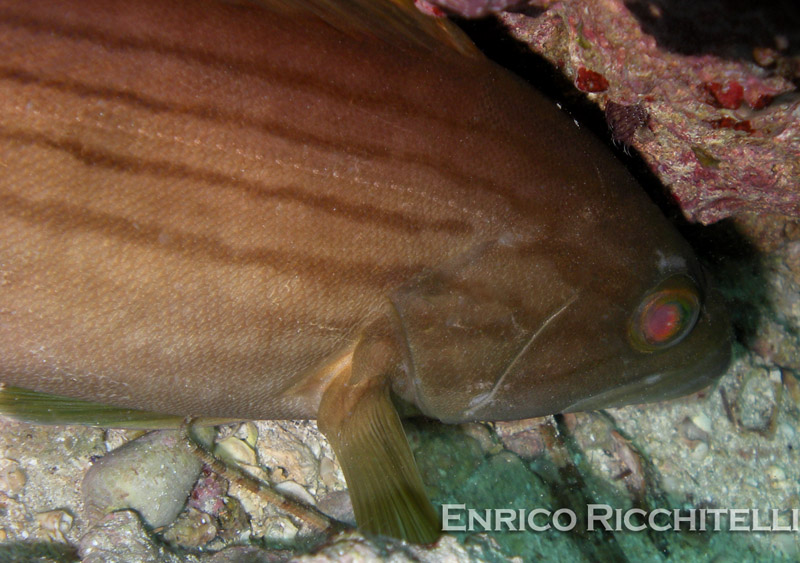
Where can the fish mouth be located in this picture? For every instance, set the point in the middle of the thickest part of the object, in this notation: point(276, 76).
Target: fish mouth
point(661, 386)
point(695, 371)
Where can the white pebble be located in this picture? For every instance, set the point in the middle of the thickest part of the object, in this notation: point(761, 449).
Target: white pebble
point(775, 473)
point(296, 491)
point(702, 421)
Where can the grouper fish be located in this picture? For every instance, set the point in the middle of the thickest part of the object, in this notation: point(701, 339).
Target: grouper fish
point(322, 210)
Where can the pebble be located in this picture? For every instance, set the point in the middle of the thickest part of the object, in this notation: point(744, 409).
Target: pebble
point(702, 421)
point(480, 433)
point(523, 437)
point(337, 504)
point(239, 453)
point(693, 432)
point(295, 491)
point(699, 452)
point(120, 537)
point(54, 524)
point(775, 473)
point(248, 432)
point(12, 478)
point(192, 529)
point(280, 529)
point(236, 451)
point(152, 475)
point(327, 472)
point(757, 401)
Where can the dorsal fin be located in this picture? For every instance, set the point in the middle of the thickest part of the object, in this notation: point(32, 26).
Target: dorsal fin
point(395, 21)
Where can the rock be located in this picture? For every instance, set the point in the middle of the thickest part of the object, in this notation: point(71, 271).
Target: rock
point(191, 530)
point(246, 554)
point(121, 538)
point(53, 524)
point(12, 478)
point(152, 475)
point(337, 504)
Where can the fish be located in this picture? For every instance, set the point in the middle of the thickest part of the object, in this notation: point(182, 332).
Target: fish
point(321, 210)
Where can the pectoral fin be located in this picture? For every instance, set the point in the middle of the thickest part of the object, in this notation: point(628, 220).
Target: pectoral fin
point(360, 421)
point(45, 408)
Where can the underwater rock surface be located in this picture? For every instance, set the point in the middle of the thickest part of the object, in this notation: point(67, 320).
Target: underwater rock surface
point(706, 92)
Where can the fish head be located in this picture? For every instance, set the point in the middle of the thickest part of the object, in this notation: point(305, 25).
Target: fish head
point(577, 321)
point(676, 340)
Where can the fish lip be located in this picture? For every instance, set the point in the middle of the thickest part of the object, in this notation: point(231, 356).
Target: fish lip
point(663, 386)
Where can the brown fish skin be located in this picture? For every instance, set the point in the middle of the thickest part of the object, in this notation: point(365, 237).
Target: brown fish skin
point(219, 210)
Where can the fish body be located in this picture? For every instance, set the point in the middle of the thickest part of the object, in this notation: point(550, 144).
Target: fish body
point(251, 212)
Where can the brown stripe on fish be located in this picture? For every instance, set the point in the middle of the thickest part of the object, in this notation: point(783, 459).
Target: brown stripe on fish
point(329, 92)
point(284, 75)
point(396, 101)
point(357, 212)
point(65, 217)
point(285, 132)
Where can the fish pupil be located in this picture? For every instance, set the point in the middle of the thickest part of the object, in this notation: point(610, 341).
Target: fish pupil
point(662, 322)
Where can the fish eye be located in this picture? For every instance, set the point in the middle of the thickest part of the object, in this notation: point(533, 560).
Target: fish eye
point(666, 315)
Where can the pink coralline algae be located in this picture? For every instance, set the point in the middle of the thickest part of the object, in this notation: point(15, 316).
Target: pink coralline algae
point(728, 95)
point(590, 81)
point(721, 132)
